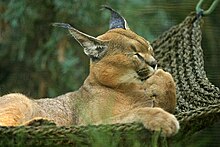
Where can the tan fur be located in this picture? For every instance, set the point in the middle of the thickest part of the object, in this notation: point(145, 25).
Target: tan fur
point(112, 93)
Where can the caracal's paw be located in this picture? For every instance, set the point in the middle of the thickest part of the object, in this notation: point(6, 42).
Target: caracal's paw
point(157, 119)
point(39, 121)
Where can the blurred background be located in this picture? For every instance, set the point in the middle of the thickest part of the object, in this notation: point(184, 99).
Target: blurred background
point(39, 60)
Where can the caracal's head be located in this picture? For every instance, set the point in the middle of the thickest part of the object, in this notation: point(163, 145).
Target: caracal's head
point(119, 56)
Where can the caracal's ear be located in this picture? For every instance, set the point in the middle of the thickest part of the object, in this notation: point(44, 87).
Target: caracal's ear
point(93, 47)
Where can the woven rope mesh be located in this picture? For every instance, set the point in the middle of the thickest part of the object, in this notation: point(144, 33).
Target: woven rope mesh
point(179, 52)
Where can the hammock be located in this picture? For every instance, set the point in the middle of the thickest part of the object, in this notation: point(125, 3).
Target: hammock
point(179, 52)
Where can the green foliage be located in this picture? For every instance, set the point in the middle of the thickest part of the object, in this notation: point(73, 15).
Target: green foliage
point(39, 60)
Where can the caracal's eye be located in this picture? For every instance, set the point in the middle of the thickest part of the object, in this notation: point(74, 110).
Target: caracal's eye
point(138, 56)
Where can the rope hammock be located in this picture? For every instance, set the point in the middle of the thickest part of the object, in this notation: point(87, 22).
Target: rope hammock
point(179, 52)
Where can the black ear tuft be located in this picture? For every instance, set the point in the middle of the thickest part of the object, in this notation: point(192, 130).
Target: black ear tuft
point(62, 25)
point(116, 20)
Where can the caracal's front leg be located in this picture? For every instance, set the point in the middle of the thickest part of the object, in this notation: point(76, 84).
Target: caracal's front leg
point(153, 119)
